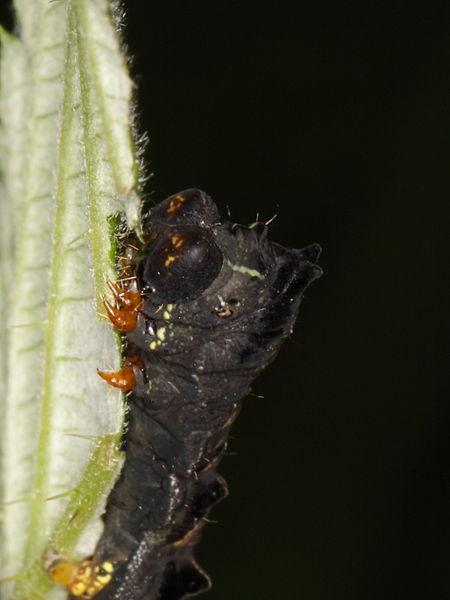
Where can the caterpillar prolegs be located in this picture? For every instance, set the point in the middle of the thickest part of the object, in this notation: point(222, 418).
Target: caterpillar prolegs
point(214, 302)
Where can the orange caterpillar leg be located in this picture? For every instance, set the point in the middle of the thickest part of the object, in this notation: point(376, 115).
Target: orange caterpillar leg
point(126, 299)
point(124, 379)
point(124, 318)
point(83, 579)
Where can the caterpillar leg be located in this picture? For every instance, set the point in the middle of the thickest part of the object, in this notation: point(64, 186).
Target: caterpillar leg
point(124, 379)
point(124, 316)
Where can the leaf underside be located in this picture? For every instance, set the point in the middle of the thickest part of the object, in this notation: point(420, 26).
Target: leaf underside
point(68, 173)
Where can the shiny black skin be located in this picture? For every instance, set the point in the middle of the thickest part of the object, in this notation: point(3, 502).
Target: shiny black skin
point(236, 297)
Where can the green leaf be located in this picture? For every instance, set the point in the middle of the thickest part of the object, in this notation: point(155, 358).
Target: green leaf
point(68, 171)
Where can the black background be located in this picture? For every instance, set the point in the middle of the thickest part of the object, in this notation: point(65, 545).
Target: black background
point(335, 116)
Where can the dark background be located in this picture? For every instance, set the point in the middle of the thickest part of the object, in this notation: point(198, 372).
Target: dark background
point(335, 116)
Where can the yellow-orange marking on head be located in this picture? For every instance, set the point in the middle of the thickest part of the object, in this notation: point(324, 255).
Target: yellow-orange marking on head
point(175, 204)
point(177, 240)
point(169, 260)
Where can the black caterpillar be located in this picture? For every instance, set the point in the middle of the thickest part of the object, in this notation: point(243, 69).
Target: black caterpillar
point(216, 301)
